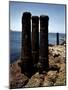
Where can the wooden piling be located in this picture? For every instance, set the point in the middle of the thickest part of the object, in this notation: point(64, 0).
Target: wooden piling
point(35, 39)
point(57, 41)
point(26, 55)
point(43, 54)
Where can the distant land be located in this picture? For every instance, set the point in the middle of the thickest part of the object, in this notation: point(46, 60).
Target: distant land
point(48, 32)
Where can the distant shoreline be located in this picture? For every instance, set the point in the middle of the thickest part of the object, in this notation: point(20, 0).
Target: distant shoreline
point(48, 32)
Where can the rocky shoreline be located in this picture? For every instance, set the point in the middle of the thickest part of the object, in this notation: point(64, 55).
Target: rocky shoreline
point(56, 75)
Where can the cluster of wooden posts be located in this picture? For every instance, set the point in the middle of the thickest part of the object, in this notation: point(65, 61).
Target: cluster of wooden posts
point(34, 53)
point(34, 50)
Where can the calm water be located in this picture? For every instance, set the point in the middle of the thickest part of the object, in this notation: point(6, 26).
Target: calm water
point(15, 43)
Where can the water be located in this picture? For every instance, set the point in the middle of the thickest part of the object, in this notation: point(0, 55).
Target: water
point(52, 38)
point(15, 43)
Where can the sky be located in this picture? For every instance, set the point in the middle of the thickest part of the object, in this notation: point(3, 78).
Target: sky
point(56, 13)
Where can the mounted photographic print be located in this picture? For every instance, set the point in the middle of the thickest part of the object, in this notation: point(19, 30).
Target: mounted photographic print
point(37, 44)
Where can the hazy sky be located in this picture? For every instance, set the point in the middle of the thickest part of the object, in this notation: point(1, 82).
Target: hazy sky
point(56, 15)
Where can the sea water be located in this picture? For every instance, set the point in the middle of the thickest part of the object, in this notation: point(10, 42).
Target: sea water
point(15, 43)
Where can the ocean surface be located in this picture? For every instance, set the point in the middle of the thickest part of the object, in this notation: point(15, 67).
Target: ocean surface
point(15, 43)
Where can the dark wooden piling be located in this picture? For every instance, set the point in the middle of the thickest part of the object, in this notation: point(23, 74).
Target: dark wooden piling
point(26, 55)
point(43, 54)
point(57, 41)
point(35, 39)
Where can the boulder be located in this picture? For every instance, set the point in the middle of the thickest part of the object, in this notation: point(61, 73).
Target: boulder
point(47, 83)
point(19, 81)
point(16, 78)
point(50, 78)
point(61, 79)
point(35, 81)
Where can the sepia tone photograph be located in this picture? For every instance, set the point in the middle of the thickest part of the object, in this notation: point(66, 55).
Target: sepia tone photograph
point(37, 44)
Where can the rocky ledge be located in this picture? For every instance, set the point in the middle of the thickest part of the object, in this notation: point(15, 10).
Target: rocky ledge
point(56, 75)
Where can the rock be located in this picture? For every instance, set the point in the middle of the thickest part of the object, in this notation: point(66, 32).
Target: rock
point(50, 78)
point(14, 68)
point(55, 75)
point(62, 69)
point(35, 81)
point(63, 43)
point(51, 45)
point(47, 82)
point(57, 50)
point(61, 79)
point(52, 74)
point(19, 81)
point(16, 78)
point(58, 59)
point(54, 67)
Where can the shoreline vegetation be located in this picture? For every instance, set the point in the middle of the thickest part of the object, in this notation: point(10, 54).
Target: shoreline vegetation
point(56, 75)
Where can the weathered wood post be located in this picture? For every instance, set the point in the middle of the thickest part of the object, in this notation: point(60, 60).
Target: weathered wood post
point(26, 56)
point(57, 34)
point(35, 39)
point(43, 56)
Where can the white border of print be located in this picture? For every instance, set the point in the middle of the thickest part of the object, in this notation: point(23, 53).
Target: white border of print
point(4, 43)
